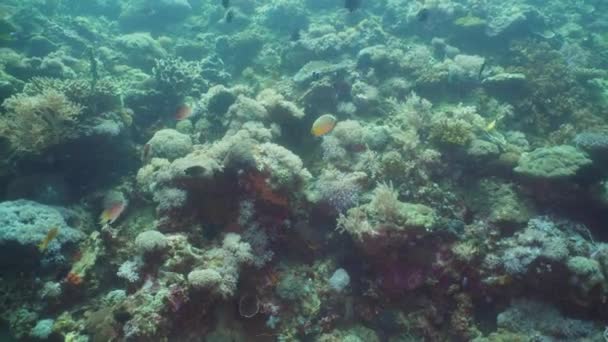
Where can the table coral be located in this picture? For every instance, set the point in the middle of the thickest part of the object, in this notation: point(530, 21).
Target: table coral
point(552, 162)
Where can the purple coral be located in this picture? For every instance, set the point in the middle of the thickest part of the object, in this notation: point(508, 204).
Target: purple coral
point(341, 192)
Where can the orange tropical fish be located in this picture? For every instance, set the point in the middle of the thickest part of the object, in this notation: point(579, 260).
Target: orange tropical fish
point(50, 235)
point(323, 125)
point(114, 203)
point(183, 112)
point(111, 214)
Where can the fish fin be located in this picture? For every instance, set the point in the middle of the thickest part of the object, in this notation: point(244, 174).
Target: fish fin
point(104, 218)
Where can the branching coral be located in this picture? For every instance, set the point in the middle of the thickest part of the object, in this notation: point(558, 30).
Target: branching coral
point(179, 78)
point(105, 96)
point(340, 190)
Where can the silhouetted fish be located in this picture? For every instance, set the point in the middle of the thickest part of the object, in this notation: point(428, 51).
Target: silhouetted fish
point(295, 35)
point(226, 3)
point(422, 15)
point(352, 5)
point(229, 15)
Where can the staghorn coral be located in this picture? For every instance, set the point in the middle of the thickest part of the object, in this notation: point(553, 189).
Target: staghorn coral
point(103, 97)
point(33, 123)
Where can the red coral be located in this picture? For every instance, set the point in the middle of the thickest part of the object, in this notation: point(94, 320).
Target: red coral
point(258, 184)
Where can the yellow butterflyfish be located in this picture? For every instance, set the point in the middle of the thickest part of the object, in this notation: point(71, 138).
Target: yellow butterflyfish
point(323, 125)
point(50, 235)
point(490, 126)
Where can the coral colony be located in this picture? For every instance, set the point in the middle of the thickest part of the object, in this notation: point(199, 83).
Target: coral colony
point(303, 170)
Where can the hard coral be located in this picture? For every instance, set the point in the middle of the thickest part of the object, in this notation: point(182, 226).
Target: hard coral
point(169, 144)
point(33, 123)
point(452, 132)
point(386, 220)
point(258, 184)
point(552, 162)
point(285, 169)
point(24, 224)
point(219, 271)
point(179, 78)
point(101, 97)
point(151, 241)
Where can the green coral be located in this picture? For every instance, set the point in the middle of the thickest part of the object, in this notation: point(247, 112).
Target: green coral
point(301, 290)
point(357, 333)
point(587, 273)
point(33, 123)
point(469, 21)
point(500, 202)
point(105, 96)
point(552, 162)
point(91, 249)
point(452, 132)
point(503, 336)
point(386, 212)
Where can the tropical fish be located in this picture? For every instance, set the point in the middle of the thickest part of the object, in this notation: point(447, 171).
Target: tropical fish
point(114, 204)
point(229, 15)
point(111, 214)
point(422, 15)
point(490, 126)
point(295, 35)
point(323, 125)
point(183, 112)
point(50, 235)
point(352, 5)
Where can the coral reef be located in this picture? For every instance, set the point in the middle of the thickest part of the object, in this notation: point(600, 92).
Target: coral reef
point(163, 177)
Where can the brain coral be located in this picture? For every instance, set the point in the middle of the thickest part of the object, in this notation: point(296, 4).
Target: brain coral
point(151, 241)
point(169, 144)
point(552, 162)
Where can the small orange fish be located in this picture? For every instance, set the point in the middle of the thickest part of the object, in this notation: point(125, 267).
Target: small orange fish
point(183, 112)
point(50, 235)
point(323, 125)
point(111, 214)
